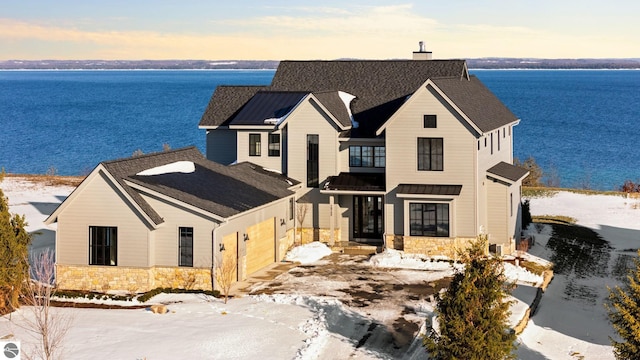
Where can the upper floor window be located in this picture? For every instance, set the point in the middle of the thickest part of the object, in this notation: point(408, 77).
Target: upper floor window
point(313, 157)
point(430, 154)
point(274, 144)
point(367, 156)
point(185, 246)
point(430, 121)
point(103, 245)
point(254, 145)
point(427, 219)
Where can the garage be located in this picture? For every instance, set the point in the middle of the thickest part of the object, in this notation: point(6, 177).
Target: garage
point(261, 245)
point(231, 251)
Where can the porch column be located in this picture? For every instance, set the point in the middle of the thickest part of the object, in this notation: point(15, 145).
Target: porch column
point(332, 239)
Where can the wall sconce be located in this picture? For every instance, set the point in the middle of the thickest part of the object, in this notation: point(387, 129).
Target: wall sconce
point(246, 237)
point(282, 222)
point(222, 247)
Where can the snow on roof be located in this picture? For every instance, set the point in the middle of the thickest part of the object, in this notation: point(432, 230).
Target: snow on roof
point(184, 167)
point(347, 99)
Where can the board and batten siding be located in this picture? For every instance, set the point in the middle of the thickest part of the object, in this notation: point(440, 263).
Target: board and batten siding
point(221, 146)
point(459, 166)
point(101, 204)
point(164, 248)
point(264, 160)
point(306, 120)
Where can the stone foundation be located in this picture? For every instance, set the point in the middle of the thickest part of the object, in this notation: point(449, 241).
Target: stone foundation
point(308, 235)
point(432, 246)
point(285, 244)
point(131, 279)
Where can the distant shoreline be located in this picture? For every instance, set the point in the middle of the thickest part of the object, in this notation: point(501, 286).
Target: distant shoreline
point(475, 64)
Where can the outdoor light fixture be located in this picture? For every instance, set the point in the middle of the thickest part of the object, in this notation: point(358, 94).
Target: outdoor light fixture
point(246, 237)
point(282, 222)
point(222, 247)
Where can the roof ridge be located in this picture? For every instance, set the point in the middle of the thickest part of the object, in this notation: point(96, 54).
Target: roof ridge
point(143, 156)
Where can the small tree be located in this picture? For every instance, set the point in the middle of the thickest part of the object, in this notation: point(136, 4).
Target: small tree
point(14, 250)
point(624, 313)
point(473, 313)
point(535, 172)
point(226, 270)
point(47, 324)
point(301, 214)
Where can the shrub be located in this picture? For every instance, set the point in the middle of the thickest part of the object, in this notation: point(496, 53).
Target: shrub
point(630, 187)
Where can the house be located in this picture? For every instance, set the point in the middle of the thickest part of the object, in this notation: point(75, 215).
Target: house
point(168, 220)
point(409, 154)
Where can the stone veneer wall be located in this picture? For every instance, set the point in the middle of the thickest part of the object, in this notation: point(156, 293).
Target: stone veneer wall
point(308, 235)
point(132, 279)
point(285, 244)
point(432, 246)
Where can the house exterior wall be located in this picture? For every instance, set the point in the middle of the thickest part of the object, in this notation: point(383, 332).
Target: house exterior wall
point(497, 212)
point(459, 163)
point(264, 160)
point(100, 204)
point(222, 145)
point(343, 156)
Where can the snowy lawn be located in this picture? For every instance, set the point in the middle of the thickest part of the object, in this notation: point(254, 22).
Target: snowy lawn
point(309, 313)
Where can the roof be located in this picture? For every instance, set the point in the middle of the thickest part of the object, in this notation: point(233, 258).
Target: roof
point(266, 105)
point(221, 190)
point(225, 102)
point(508, 171)
point(380, 88)
point(356, 182)
point(476, 101)
point(429, 189)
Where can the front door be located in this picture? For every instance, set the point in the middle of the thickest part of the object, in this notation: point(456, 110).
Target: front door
point(367, 220)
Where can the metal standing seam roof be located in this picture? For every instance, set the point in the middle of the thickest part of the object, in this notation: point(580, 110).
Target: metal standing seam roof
point(429, 189)
point(225, 102)
point(356, 182)
point(508, 171)
point(266, 105)
point(216, 188)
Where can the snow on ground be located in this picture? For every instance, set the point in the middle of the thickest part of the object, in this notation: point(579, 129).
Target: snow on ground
point(308, 253)
point(570, 323)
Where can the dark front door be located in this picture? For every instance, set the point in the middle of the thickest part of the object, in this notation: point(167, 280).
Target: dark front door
point(367, 219)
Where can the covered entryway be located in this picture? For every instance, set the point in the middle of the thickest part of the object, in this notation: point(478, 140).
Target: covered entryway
point(260, 241)
point(367, 217)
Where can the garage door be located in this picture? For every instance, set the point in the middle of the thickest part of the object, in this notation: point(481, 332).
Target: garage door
point(231, 251)
point(261, 245)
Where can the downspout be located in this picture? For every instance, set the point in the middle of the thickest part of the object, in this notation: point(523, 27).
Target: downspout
point(216, 226)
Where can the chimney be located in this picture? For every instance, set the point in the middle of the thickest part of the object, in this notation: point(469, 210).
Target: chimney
point(422, 54)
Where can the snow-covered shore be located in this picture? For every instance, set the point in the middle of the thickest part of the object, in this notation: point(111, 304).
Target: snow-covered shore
point(302, 327)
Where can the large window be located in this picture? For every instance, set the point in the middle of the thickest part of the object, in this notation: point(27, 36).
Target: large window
point(103, 245)
point(254, 144)
point(429, 219)
point(185, 246)
point(366, 156)
point(274, 144)
point(430, 154)
point(313, 166)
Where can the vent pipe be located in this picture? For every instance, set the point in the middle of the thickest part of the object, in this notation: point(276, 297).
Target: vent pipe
point(422, 54)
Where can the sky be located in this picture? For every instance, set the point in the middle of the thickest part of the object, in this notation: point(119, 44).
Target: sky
point(299, 30)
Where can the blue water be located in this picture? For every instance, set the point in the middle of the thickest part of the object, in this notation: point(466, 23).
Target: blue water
point(583, 124)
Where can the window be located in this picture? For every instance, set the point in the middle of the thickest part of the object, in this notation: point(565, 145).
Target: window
point(254, 144)
point(430, 154)
point(103, 245)
point(274, 144)
point(511, 203)
point(313, 166)
point(291, 208)
point(366, 156)
point(185, 246)
point(430, 121)
point(498, 140)
point(491, 143)
point(429, 219)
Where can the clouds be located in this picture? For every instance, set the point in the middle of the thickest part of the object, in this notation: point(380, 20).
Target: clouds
point(278, 32)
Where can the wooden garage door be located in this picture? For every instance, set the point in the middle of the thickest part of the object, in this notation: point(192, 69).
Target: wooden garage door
point(261, 249)
point(231, 251)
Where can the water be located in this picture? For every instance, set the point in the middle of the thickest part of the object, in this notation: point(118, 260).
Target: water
point(581, 123)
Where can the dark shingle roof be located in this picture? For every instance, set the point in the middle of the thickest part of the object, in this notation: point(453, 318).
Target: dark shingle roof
point(332, 101)
point(429, 189)
point(266, 105)
point(508, 171)
point(476, 101)
point(380, 86)
point(225, 102)
point(221, 190)
point(356, 182)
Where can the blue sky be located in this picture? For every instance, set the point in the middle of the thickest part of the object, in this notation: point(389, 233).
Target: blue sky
point(276, 30)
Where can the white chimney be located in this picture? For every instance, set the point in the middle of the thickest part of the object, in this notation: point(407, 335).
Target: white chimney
point(422, 54)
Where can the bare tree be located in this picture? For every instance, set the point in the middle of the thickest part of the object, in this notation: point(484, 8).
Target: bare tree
point(45, 323)
point(301, 214)
point(226, 270)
